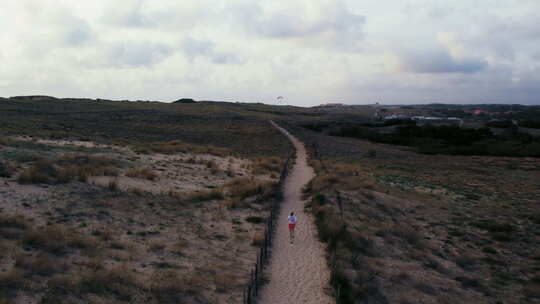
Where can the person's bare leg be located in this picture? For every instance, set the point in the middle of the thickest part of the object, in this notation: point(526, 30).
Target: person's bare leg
point(291, 234)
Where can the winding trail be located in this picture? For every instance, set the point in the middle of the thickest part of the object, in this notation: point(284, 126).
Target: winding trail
point(298, 272)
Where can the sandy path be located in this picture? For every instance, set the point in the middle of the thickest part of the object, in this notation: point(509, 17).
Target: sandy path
point(298, 272)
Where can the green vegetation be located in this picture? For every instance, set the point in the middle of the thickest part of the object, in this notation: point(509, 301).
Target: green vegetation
point(451, 140)
point(208, 127)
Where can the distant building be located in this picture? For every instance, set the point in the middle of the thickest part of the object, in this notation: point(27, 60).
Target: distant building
point(329, 105)
point(396, 116)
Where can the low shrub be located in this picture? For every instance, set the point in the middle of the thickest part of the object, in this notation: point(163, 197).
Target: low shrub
point(258, 239)
point(167, 286)
point(244, 188)
point(13, 221)
point(254, 219)
point(68, 168)
point(43, 171)
point(113, 185)
point(10, 282)
point(41, 264)
point(52, 239)
point(214, 168)
point(175, 146)
point(118, 281)
point(143, 173)
point(215, 194)
point(6, 169)
point(267, 165)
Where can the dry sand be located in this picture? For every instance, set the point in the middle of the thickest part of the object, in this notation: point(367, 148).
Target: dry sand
point(298, 272)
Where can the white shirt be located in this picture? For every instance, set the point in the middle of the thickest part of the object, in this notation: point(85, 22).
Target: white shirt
point(292, 219)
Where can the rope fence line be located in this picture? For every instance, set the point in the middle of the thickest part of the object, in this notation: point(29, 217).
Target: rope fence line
point(251, 291)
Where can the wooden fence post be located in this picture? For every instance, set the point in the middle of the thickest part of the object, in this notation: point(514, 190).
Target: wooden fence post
point(340, 204)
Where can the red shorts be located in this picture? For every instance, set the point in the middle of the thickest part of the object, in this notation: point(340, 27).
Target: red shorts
point(291, 226)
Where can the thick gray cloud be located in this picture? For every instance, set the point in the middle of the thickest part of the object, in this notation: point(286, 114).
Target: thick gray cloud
point(77, 35)
point(308, 51)
point(440, 62)
point(194, 48)
point(137, 54)
point(331, 24)
point(130, 14)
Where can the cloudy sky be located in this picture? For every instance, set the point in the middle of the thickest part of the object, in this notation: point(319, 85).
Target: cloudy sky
point(309, 51)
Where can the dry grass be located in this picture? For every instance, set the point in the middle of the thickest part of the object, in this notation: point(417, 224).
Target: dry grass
point(10, 282)
point(41, 264)
point(57, 240)
point(258, 239)
point(87, 160)
point(224, 279)
point(267, 165)
point(167, 286)
point(68, 168)
point(143, 173)
point(214, 167)
point(201, 196)
point(113, 185)
point(42, 171)
point(171, 147)
point(13, 221)
point(232, 202)
point(51, 239)
point(119, 281)
point(12, 226)
point(6, 169)
point(347, 176)
point(245, 187)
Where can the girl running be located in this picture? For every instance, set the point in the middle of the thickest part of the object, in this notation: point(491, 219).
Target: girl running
point(292, 222)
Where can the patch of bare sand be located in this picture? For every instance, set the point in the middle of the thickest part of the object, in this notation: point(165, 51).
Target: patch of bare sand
point(298, 272)
point(183, 172)
point(207, 244)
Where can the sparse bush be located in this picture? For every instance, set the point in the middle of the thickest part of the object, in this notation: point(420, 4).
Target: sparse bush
point(113, 185)
point(224, 280)
point(12, 226)
point(244, 188)
point(233, 202)
point(214, 168)
point(51, 238)
point(167, 286)
point(466, 261)
point(467, 282)
point(13, 221)
point(532, 290)
point(10, 282)
point(87, 244)
point(41, 264)
point(143, 173)
point(43, 171)
point(267, 165)
point(254, 219)
point(83, 160)
point(137, 191)
point(176, 146)
point(26, 157)
point(6, 169)
point(258, 239)
point(408, 234)
point(119, 281)
point(215, 194)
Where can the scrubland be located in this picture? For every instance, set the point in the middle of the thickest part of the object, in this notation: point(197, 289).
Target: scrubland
point(140, 211)
point(403, 227)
